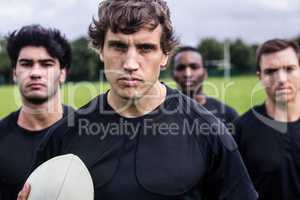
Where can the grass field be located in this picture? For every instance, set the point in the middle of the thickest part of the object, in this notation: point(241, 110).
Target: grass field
point(240, 92)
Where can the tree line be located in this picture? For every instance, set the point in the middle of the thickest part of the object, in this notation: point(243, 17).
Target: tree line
point(86, 65)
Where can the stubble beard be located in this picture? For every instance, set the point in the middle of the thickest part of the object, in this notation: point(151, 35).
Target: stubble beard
point(38, 100)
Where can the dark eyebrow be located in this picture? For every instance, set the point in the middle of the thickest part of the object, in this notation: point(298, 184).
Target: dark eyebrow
point(116, 42)
point(195, 63)
point(41, 61)
point(31, 60)
point(180, 66)
point(25, 60)
point(147, 45)
point(270, 70)
point(289, 66)
point(46, 60)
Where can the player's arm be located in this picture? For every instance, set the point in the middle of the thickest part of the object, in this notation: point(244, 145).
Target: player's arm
point(227, 177)
point(237, 134)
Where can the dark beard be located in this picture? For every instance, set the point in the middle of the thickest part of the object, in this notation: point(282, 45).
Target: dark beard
point(36, 100)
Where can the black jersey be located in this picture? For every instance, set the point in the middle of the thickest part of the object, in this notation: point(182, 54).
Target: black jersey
point(222, 111)
point(174, 152)
point(271, 152)
point(18, 147)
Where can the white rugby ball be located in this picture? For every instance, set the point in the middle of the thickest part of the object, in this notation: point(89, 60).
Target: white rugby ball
point(61, 178)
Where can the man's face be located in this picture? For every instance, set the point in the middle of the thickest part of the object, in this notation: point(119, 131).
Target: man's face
point(37, 74)
point(188, 71)
point(280, 75)
point(133, 61)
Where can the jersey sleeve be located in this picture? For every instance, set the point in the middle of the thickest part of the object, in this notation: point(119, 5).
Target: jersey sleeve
point(232, 114)
point(227, 177)
point(237, 135)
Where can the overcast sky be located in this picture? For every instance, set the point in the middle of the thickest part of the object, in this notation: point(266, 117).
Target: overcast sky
point(252, 20)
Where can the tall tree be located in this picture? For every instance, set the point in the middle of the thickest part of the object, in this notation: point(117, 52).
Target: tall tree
point(86, 65)
point(211, 49)
point(5, 68)
point(298, 39)
point(242, 55)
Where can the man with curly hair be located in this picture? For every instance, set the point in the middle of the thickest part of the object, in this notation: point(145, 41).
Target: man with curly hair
point(142, 139)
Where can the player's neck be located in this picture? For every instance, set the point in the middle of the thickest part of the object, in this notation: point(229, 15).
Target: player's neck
point(40, 116)
point(132, 108)
point(288, 112)
point(200, 98)
point(198, 95)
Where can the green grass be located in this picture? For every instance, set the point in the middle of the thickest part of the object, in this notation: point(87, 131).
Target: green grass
point(241, 92)
point(238, 92)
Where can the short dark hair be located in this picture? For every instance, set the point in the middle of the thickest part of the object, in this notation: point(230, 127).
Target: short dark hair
point(129, 16)
point(35, 35)
point(275, 45)
point(185, 48)
point(180, 50)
